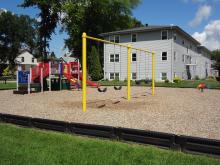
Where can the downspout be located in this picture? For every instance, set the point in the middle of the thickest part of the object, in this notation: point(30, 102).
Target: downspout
point(171, 44)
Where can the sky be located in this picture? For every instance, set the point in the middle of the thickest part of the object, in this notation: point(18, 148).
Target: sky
point(200, 18)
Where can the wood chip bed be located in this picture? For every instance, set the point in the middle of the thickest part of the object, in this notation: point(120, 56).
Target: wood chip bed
point(171, 110)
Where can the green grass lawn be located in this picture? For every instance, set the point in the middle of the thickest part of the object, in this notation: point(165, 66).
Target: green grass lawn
point(211, 84)
point(8, 85)
point(29, 146)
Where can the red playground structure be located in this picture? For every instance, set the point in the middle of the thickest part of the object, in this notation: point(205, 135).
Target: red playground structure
point(53, 75)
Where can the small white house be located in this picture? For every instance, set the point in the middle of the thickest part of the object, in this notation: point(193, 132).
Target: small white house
point(66, 58)
point(25, 60)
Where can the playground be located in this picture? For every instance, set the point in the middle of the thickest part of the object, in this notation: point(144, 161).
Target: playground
point(173, 110)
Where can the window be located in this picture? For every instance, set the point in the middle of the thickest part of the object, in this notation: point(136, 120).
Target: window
point(117, 39)
point(116, 57)
point(183, 42)
point(183, 58)
point(22, 59)
point(32, 60)
point(113, 76)
point(174, 37)
point(163, 76)
point(133, 37)
point(111, 39)
point(174, 56)
point(133, 76)
point(164, 56)
point(164, 35)
point(112, 58)
point(116, 76)
point(134, 57)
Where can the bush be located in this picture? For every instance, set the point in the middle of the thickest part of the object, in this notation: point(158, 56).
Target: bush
point(177, 80)
point(6, 71)
point(211, 78)
point(197, 77)
point(147, 81)
point(166, 81)
point(218, 79)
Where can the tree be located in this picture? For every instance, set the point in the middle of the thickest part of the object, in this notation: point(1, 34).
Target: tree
point(16, 33)
point(216, 57)
point(49, 17)
point(95, 17)
point(95, 68)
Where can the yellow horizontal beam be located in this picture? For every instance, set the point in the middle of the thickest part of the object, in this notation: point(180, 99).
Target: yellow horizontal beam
point(109, 42)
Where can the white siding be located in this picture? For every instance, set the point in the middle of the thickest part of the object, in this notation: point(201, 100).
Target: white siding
point(152, 41)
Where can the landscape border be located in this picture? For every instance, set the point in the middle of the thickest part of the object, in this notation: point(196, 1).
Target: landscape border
point(187, 144)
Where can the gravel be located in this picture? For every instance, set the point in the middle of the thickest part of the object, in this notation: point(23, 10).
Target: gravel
point(172, 110)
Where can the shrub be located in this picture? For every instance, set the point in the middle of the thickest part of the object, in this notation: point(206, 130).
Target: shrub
point(218, 79)
point(6, 71)
point(177, 80)
point(197, 77)
point(211, 78)
point(166, 81)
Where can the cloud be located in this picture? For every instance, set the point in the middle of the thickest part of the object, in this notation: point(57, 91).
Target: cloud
point(210, 37)
point(203, 13)
point(201, 1)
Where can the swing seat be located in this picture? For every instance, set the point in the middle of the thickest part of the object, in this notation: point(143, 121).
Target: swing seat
point(117, 88)
point(102, 90)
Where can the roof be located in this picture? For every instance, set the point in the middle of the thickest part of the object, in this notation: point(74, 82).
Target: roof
point(203, 48)
point(151, 28)
point(68, 59)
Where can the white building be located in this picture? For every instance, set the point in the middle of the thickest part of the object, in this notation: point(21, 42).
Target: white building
point(178, 54)
point(25, 60)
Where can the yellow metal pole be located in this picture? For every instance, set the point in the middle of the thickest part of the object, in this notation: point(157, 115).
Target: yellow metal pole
point(84, 72)
point(153, 74)
point(129, 73)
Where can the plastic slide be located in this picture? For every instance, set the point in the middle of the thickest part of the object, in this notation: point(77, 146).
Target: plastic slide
point(89, 82)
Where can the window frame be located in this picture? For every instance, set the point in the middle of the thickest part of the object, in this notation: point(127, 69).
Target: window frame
point(162, 56)
point(174, 56)
point(183, 58)
point(118, 38)
point(112, 38)
point(132, 57)
point(135, 76)
point(111, 58)
point(115, 57)
point(162, 34)
point(114, 75)
point(161, 75)
point(110, 75)
point(22, 59)
point(132, 37)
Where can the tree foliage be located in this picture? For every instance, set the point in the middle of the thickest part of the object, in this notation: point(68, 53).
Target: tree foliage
point(95, 17)
point(95, 68)
point(16, 32)
point(48, 19)
point(216, 57)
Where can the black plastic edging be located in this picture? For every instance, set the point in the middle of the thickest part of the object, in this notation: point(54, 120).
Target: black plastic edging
point(171, 141)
